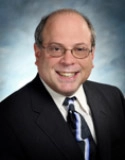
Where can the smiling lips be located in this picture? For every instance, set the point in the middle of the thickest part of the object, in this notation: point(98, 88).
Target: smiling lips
point(67, 74)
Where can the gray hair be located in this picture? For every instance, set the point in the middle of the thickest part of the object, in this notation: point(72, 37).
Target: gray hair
point(41, 25)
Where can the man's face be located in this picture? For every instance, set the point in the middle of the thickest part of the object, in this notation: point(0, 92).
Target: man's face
point(66, 73)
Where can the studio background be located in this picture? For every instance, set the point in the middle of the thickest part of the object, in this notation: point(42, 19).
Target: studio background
point(19, 18)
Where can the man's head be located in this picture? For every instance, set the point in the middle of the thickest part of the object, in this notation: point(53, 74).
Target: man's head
point(64, 49)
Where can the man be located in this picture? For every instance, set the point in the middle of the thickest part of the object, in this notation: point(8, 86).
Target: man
point(33, 120)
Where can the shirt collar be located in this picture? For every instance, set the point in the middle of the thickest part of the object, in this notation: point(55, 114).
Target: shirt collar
point(81, 97)
point(58, 98)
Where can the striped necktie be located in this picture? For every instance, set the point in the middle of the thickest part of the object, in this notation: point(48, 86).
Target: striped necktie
point(80, 130)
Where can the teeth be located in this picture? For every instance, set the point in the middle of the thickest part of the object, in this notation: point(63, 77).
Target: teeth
point(67, 74)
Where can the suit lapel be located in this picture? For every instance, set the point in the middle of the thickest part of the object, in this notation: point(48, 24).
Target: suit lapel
point(51, 122)
point(101, 118)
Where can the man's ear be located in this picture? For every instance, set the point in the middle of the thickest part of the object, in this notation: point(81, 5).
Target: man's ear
point(37, 52)
point(93, 55)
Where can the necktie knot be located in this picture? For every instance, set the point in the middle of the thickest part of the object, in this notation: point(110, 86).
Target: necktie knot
point(69, 103)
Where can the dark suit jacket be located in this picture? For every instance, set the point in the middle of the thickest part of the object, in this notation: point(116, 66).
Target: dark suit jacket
point(32, 128)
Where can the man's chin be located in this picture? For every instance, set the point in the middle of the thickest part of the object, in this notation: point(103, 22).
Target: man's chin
point(67, 91)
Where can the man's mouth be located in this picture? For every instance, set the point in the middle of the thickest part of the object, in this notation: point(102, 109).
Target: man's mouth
point(67, 74)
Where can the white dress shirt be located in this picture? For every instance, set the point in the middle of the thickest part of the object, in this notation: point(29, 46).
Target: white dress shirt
point(81, 105)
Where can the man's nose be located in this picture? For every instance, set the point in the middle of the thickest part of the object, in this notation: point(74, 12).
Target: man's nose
point(68, 58)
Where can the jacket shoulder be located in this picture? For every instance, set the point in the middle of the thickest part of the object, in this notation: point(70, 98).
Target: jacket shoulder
point(106, 92)
point(101, 86)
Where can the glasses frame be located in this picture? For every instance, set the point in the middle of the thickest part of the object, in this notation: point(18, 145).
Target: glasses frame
point(64, 50)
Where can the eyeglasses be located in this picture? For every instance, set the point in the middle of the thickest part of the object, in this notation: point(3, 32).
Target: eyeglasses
point(56, 50)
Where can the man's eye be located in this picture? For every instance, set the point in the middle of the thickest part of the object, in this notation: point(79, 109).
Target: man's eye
point(55, 48)
point(80, 49)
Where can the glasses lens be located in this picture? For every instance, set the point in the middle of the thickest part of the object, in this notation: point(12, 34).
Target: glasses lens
point(80, 52)
point(55, 50)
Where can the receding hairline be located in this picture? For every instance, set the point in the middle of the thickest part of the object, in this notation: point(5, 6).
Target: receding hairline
point(45, 20)
point(64, 11)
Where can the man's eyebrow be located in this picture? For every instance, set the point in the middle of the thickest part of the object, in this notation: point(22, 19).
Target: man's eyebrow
point(57, 43)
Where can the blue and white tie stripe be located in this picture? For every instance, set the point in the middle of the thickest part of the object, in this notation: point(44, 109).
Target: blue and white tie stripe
point(79, 136)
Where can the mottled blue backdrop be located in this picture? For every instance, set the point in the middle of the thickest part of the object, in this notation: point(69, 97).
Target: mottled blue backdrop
point(19, 18)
